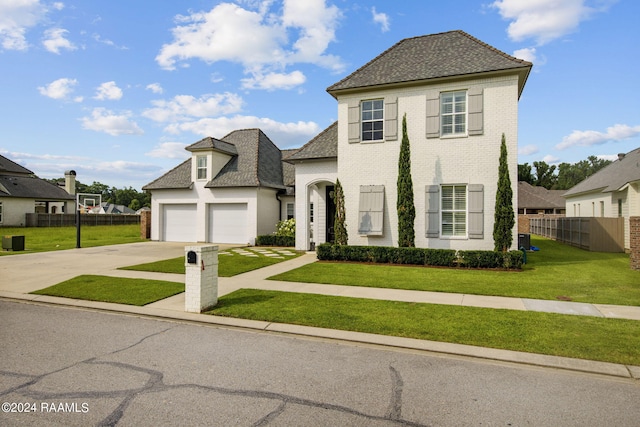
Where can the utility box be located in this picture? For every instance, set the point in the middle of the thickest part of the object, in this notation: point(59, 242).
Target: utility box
point(13, 243)
point(524, 241)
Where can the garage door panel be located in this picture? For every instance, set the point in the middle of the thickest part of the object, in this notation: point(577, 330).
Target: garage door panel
point(179, 223)
point(228, 223)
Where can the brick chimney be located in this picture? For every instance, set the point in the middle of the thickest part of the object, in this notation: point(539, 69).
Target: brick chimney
point(70, 182)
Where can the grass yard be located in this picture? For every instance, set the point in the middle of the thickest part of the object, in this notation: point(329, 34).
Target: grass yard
point(230, 263)
point(113, 289)
point(557, 271)
point(42, 239)
point(592, 338)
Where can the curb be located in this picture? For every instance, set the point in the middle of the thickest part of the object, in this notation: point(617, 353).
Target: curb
point(462, 350)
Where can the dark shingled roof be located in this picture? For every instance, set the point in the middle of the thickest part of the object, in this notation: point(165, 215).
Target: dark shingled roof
point(10, 167)
point(612, 177)
point(18, 181)
point(443, 55)
point(534, 197)
point(255, 162)
point(178, 177)
point(209, 143)
point(258, 163)
point(31, 187)
point(323, 146)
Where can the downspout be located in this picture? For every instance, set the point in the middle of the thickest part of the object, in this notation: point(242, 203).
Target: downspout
point(278, 194)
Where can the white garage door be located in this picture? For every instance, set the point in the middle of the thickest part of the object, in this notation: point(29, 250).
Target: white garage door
point(228, 223)
point(179, 223)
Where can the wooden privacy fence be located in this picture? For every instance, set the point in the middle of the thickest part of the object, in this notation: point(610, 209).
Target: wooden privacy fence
point(593, 233)
point(65, 220)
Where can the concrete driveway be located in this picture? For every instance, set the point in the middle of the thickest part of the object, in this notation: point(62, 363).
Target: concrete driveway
point(25, 272)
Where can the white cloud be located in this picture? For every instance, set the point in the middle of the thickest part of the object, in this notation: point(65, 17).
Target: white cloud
point(16, 17)
point(184, 107)
point(55, 40)
point(155, 88)
point(59, 89)
point(550, 159)
point(273, 81)
point(108, 91)
point(587, 138)
point(225, 33)
point(528, 54)
point(545, 20)
point(169, 150)
point(264, 40)
point(380, 18)
point(282, 134)
point(106, 121)
point(528, 150)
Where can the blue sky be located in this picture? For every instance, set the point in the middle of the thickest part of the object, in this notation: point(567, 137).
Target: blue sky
point(116, 89)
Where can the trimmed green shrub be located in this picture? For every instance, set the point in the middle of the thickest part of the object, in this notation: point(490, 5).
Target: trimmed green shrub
point(273, 240)
point(511, 260)
point(420, 256)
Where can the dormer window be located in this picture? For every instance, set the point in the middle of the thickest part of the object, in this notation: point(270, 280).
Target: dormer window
point(201, 169)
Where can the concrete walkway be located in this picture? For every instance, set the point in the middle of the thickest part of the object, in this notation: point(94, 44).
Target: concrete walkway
point(24, 273)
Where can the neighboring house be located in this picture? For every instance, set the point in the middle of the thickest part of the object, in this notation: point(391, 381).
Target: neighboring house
point(539, 200)
point(459, 95)
point(230, 191)
point(613, 191)
point(21, 192)
point(110, 208)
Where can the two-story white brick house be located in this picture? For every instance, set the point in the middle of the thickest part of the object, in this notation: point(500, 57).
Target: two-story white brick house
point(459, 96)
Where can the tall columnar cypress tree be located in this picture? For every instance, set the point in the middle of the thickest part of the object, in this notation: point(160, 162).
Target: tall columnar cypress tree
point(339, 224)
point(504, 219)
point(405, 207)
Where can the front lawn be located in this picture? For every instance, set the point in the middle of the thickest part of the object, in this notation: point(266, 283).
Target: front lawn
point(41, 239)
point(113, 289)
point(557, 271)
point(591, 338)
point(230, 262)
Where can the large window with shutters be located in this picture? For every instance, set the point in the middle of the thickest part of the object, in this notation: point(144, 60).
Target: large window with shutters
point(372, 120)
point(455, 114)
point(455, 211)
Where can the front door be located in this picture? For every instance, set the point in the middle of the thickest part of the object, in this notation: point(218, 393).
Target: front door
point(331, 214)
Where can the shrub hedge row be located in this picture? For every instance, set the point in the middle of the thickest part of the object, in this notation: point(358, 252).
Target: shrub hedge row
point(273, 240)
point(420, 256)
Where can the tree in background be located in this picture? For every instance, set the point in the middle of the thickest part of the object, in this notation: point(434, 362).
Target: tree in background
point(525, 174)
point(568, 174)
point(545, 176)
point(129, 197)
point(339, 224)
point(504, 219)
point(404, 205)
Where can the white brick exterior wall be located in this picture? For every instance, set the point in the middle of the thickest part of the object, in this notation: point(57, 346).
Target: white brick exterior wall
point(468, 160)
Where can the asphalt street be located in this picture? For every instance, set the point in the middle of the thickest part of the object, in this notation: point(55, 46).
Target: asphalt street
point(78, 367)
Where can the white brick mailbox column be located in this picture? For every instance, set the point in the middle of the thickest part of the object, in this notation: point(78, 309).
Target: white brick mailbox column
point(201, 280)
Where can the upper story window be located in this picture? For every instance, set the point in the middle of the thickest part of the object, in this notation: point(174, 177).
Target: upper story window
point(453, 113)
point(372, 120)
point(201, 169)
